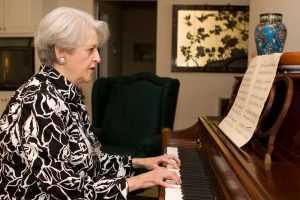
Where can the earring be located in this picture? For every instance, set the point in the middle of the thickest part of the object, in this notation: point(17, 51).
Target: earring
point(61, 60)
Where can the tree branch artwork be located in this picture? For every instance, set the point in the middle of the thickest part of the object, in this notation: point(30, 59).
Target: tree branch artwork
point(210, 38)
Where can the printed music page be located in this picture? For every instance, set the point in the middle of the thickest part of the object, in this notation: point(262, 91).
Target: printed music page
point(241, 121)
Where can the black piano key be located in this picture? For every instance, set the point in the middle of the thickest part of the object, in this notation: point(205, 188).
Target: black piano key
point(197, 197)
point(197, 181)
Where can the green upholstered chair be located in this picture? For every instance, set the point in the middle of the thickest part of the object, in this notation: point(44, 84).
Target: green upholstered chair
point(130, 112)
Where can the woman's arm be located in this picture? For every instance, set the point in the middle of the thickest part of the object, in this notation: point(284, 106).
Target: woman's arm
point(116, 165)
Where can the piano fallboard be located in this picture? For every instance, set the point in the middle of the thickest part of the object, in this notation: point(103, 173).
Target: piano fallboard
point(240, 173)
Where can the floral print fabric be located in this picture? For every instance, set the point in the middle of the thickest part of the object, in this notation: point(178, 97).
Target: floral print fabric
point(47, 150)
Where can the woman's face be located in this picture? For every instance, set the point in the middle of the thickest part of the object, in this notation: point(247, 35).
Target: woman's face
point(82, 61)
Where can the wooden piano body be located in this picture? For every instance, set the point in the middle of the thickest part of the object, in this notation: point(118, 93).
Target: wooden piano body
point(242, 173)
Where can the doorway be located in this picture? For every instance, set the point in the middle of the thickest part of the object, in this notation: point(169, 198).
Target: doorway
point(131, 47)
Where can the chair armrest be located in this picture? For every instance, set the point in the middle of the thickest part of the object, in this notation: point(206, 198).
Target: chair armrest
point(166, 134)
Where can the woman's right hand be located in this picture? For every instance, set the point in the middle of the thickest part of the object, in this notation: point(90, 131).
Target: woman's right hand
point(160, 176)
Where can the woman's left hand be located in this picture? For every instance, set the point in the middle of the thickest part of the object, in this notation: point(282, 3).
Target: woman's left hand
point(151, 163)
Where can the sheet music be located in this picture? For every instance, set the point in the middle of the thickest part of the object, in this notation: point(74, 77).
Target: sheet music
point(241, 121)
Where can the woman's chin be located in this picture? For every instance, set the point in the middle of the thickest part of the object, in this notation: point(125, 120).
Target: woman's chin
point(88, 78)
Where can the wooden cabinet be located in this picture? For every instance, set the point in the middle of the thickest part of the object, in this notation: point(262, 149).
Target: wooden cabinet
point(19, 17)
point(1, 15)
point(86, 6)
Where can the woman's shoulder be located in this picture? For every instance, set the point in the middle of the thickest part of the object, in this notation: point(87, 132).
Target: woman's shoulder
point(36, 87)
point(30, 95)
point(41, 96)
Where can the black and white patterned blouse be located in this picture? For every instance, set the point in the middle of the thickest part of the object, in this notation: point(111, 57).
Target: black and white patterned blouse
point(47, 150)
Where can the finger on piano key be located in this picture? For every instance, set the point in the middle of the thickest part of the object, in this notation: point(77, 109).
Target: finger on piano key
point(172, 184)
point(174, 192)
point(174, 160)
point(177, 171)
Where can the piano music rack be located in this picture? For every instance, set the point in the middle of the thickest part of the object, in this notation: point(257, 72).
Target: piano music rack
point(277, 136)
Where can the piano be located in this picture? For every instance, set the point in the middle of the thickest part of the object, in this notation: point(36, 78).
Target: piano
point(218, 169)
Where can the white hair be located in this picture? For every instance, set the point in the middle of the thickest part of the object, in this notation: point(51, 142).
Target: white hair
point(66, 28)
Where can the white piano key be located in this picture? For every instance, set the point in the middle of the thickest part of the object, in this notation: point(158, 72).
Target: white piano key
point(173, 193)
point(172, 151)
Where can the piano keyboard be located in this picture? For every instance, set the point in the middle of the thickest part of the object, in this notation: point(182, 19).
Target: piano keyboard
point(197, 182)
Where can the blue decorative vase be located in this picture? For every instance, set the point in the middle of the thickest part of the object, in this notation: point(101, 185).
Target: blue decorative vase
point(270, 34)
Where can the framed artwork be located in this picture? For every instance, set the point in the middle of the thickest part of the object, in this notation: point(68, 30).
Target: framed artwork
point(210, 38)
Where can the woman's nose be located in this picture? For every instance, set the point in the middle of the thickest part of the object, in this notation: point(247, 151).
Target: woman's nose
point(97, 57)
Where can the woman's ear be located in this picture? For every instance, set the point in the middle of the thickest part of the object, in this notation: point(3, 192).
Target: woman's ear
point(60, 55)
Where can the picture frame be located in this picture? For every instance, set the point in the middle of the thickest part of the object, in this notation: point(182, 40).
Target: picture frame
point(210, 38)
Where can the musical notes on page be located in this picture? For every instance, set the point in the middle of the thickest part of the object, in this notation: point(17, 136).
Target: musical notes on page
point(241, 121)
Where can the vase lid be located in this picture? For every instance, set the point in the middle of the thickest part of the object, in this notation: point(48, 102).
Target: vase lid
point(270, 17)
point(268, 14)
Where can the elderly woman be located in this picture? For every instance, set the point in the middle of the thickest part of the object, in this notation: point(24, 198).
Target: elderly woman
point(47, 148)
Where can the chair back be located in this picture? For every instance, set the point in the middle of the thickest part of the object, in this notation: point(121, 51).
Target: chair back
point(132, 110)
